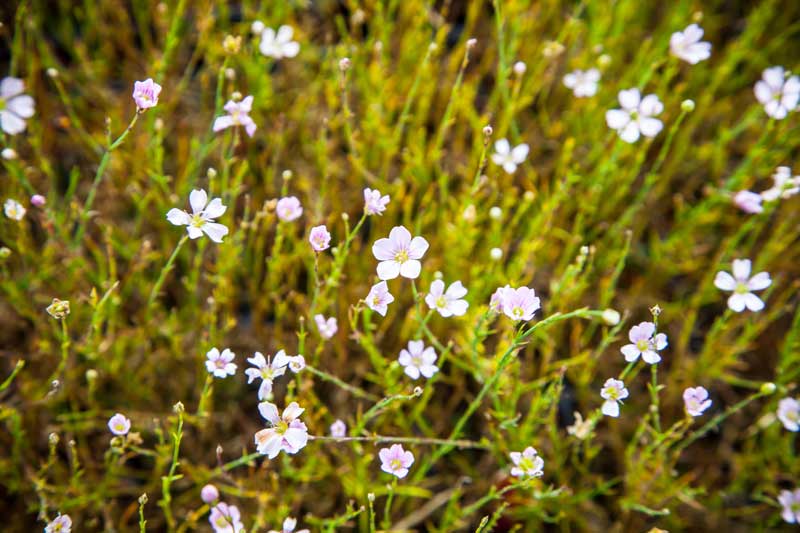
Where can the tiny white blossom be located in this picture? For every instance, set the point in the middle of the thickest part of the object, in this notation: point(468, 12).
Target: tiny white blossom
point(776, 93)
point(202, 218)
point(527, 463)
point(789, 413)
point(14, 210)
point(507, 157)
point(418, 360)
point(687, 45)
point(278, 45)
point(636, 116)
point(267, 370)
point(613, 393)
point(450, 302)
point(742, 286)
point(583, 82)
point(219, 364)
point(784, 185)
point(327, 327)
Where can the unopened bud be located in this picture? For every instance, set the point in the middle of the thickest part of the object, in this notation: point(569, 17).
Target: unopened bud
point(519, 68)
point(687, 105)
point(768, 388)
point(487, 131)
point(611, 317)
point(344, 64)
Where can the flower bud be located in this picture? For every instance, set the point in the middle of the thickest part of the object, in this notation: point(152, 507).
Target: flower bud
point(768, 388)
point(344, 64)
point(611, 317)
point(487, 131)
point(687, 105)
point(209, 494)
point(9, 154)
point(496, 254)
point(520, 67)
point(496, 213)
point(471, 43)
point(257, 27)
point(38, 200)
point(51, 72)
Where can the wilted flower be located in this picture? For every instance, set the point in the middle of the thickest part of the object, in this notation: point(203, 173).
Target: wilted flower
point(297, 363)
point(288, 527)
point(695, 400)
point(119, 425)
point(14, 210)
point(278, 45)
point(583, 82)
point(238, 115)
point(338, 429)
point(320, 238)
point(518, 304)
point(395, 460)
point(748, 201)
point(226, 518)
point(61, 524)
point(447, 303)
point(145, 94)
point(507, 157)
point(613, 392)
point(527, 463)
point(220, 364)
point(288, 208)
point(58, 309)
point(644, 344)
point(789, 413)
point(209, 494)
point(374, 203)
point(784, 186)
point(327, 327)
point(687, 45)
point(580, 428)
point(267, 370)
point(790, 501)
point(636, 116)
point(287, 433)
point(15, 107)
point(399, 255)
point(777, 94)
point(202, 218)
point(418, 359)
point(742, 286)
point(379, 298)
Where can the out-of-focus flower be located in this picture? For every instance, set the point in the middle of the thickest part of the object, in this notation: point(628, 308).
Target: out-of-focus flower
point(220, 364)
point(61, 524)
point(257, 27)
point(267, 370)
point(636, 116)
point(288, 208)
point(287, 433)
point(297, 363)
point(38, 200)
point(611, 317)
point(58, 308)
point(519, 68)
point(327, 327)
point(209, 494)
point(518, 304)
point(776, 93)
point(527, 463)
point(418, 360)
point(145, 94)
point(14, 210)
point(8, 154)
point(748, 201)
point(288, 527)
point(644, 344)
point(399, 254)
point(496, 254)
point(15, 107)
point(450, 302)
point(338, 429)
point(790, 502)
point(202, 218)
point(784, 186)
point(379, 298)
point(789, 413)
point(226, 518)
point(320, 238)
point(687, 45)
point(496, 301)
point(742, 286)
point(695, 400)
point(583, 82)
point(613, 392)
point(374, 203)
point(395, 460)
point(507, 157)
point(119, 424)
point(238, 115)
point(581, 428)
point(231, 44)
point(278, 45)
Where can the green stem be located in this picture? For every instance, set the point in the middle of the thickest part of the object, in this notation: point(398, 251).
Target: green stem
point(163, 274)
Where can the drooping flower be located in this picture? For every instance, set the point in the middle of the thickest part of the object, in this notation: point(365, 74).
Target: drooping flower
point(267, 370)
point(202, 218)
point(399, 254)
point(14, 210)
point(527, 463)
point(145, 94)
point(379, 298)
point(288, 208)
point(789, 413)
point(644, 343)
point(784, 186)
point(447, 303)
point(119, 424)
point(297, 363)
point(695, 400)
point(209, 494)
point(790, 503)
point(288, 527)
point(61, 524)
point(418, 360)
point(338, 429)
point(226, 518)
point(583, 82)
point(374, 203)
point(636, 116)
point(519, 304)
point(748, 201)
point(220, 364)
point(776, 93)
point(320, 238)
point(742, 286)
point(278, 45)
point(327, 327)
point(687, 45)
point(287, 433)
point(15, 107)
point(395, 460)
point(613, 392)
point(238, 115)
point(507, 157)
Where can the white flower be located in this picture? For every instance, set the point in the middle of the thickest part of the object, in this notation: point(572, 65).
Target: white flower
point(399, 254)
point(327, 327)
point(287, 433)
point(644, 344)
point(119, 424)
point(202, 218)
point(777, 94)
point(226, 518)
point(636, 116)
point(379, 298)
point(613, 393)
point(278, 45)
point(220, 364)
point(238, 115)
point(297, 363)
point(527, 464)
point(288, 527)
point(450, 302)
point(267, 370)
point(61, 524)
point(742, 286)
point(14, 210)
point(695, 400)
point(15, 107)
point(374, 203)
point(789, 413)
point(583, 82)
point(507, 157)
point(686, 45)
point(288, 208)
point(790, 501)
point(418, 360)
point(784, 186)
point(338, 429)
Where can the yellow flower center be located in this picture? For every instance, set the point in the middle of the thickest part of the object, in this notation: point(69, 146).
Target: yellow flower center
point(197, 221)
point(642, 345)
point(401, 256)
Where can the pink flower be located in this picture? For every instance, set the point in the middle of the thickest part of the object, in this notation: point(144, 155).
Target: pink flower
point(790, 501)
point(145, 94)
point(238, 115)
point(379, 298)
point(450, 302)
point(267, 370)
point(399, 255)
point(644, 344)
point(226, 518)
point(119, 424)
point(527, 464)
point(695, 400)
point(742, 286)
point(61, 524)
point(519, 304)
point(209, 494)
point(320, 238)
point(748, 201)
point(220, 365)
point(776, 93)
point(288, 208)
point(374, 203)
point(202, 218)
point(338, 429)
point(38, 200)
point(395, 460)
point(496, 301)
point(287, 433)
point(613, 393)
point(15, 107)
point(418, 359)
point(327, 327)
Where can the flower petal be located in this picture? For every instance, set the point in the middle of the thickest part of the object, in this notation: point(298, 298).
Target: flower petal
point(198, 200)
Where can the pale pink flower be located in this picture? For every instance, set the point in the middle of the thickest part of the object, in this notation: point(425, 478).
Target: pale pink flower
point(395, 460)
point(14, 210)
point(202, 218)
point(220, 364)
point(278, 45)
point(226, 518)
point(644, 343)
point(784, 186)
point(320, 238)
point(338, 429)
point(790, 502)
point(61, 524)
point(379, 298)
point(496, 301)
point(374, 203)
point(789, 413)
point(287, 433)
point(519, 304)
point(507, 157)
point(288, 208)
point(613, 392)
point(527, 463)
point(742, 285)
point(267, 370)
point(583, 82)
point(687, 45)
point(38, 200)
point(238, 115)
point(447, 303)
point(418, 360)
point(695, 400)
point(748, 201)
point(288, 527)
point(145, 94)
point(399, 255)
point(776, 93)
point(15, 107)
point(327, 327)
point(636, 116)
point(209, 494)
point(297, 363)
point(119, 424)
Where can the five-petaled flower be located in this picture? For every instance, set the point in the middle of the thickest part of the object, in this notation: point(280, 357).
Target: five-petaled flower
point(748, 201)
point(583, 82)
point(379, 298)
point(687, 45)
point(507, 157)
point(742, 286)
point(297, 363)
point(327, 327)
point(789, 413)
point(202, 218)
point(399, 254)
point(527, 463)
point(267, 370)
point(695, 400)
point(784, 185)
point(287, 433)
point(374, 203)
point(790, 503)
point(238, 115)
point(644, 343)
point(145, 94)
point(288, 527)
point(418, 360)
point(220, 364)
point(450, 302)
point(61, 524)
point(288, 208)
point(119, 424)
point(518, 304)
point(613, 392)
point(320, 238)
point(278, 45)
point(14, 210)
point(636, 116)
point(776, 93)
point(338, 428)
point(15, 107)
point(226, 518)
point(395, 460)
